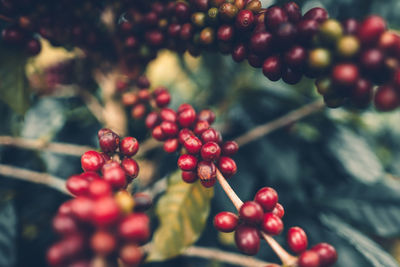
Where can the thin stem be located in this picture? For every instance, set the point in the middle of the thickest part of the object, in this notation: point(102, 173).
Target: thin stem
point(34, 177)
point(278, 123)
point(284, 256)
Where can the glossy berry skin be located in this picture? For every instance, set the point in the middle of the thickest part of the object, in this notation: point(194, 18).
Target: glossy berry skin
point(158, 134)
point(279, 210)
point(244, 20)
point(327, 254)
point(168, 114)
point(129, 146)
point(239, 53)
point(295, 57)
point(105, 211)
point(82, 208)
point(189, 176)
point(309, 259)
point(193, 144)
point(209, 135)
point(272, 68)
point(103, 243)
point(267, 197)
point(131, 167)
point(92, 161)
point(152, 120)
point(64, 225)
point(206, 115)
point(317, 13)
point(131, 254)
point(251, 213)
point(187, 162)
point(225, 33)
point(171, 145)
point(261, 42)
point(109, 142)
point(200, 127)
point(184, 134)
point(163, 99)
point(226, 221)
point(272, 224)
point(135, 228)
point(206, 171)
point(169, 129)
point(361, 94)
point(274, 16)
point(247, 239)
point(115, 176)
point(77, 185)
point(227, 166)
point(55, 255)
point(297, 240)
point(230, 148)
point(187, 117)
point(386, 98)
point(371, 29)
point(293, 11)
point(345, 75)
point(99, 188)
point(210, 151)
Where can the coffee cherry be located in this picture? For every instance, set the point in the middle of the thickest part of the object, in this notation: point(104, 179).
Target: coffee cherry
point(271, 224)
point(163, 99)
point(345, 75)
point(260, 42)
point(307, 28)
point(317, 13)
point(230, 148)
point(55, 255)
point(226, 221)
point(295, 57)
point(184, 134)
point(158, 134)
point(193, 144)
point(330, 31)
point(239, 53)
point(327, 254)
point(372, 60)
point(187, 162)
point(309, 259)
point(109, 165)
point(291, 76)
point(168, 114)
point(279, 210)
point(210, 151)
point(143, 202)
point(169, 129)
point(187, 117)
point(115, 177)
point(350, 26)
point(227, 11)
point(171, 145)
point(285, 34)
point(247, 239)
point(361, 94)
point(105, 211)
point(130, 167)
point(319, 59)
point(386, 98)
point(77, 185)
point(251, 213)
point(272, 68)
point(103, 243)
point(267, 198)
point(293, 11)
point(152, 120)
point(65, 208)
point(207, 172)
point(82, 208)
point(189, 176)
point(129, 146)
point(138, 111)
point(99, 188)
point(227, 166)
point(129, 99)
point(206, 115)
point(225, 33)
point(109, 142)
point(200, 127)
point(388, 42)
point(274, 16)
point(371, 29)
point(135, 228)
point(131, 254)
point(124, 201)
point(324, 85)
point(244, 20)
point(209, 135)
point(92, 161)
point(348, 46)
point(144, 95)
point(65, 225)
point(297, 240)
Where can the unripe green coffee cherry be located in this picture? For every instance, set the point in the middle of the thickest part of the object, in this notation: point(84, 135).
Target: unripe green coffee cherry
point(199, 19)
point(324, 85)
point(330, 31)
point(319, 59)
point(227, 11)
point(207, 36)
point(212, 15)
point(348, 46)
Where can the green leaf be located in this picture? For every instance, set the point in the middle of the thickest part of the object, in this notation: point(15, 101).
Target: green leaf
point(8, 233)
point(13, 84)
point(182, 212)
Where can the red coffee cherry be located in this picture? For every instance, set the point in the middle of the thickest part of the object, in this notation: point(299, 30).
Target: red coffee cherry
point(291, 76)
point(210, 151)
point(274, 16)
point(169, 129)
point(65, 208)
point(345, 75)
point(109, 141)
point(168, 114)
point(309, 259)
point(131, 254)
point(227, 166)
point(163, 99)
point(99, 188)
point(138, 111)
point(189, 176)
point(115, 177)
point(55, 255)
point(131, 168)
point(206, 115)
point(109, 165)
point(129, 146)
point(386, 98)
point(297, 240)
point(350, 26)
point(327, 254)
point(272, 224)
point(143, 202)
point(317, 13)
point(225, 33)
point(226, 221)
point(388, 42)
point(307, 28)
point(272, 68)
point(82, 208)
point(90, 176)
point(187, 117)
point(244, 20)
point(77, 185)
point(251, 213)
point(183, 107)
point(239, 53)
point(371, 29)
point(200, 127)
point(230, 148)
point(105, 211)
point(293, 11)
point(209, 135)
point(192, 144)
point(267, 197)
point(296, 56)
point(103, 243)
point(171, 145)
point(65, 225)
point(279, 210)
point(135, 228)
point(184, 134)
point(152, 120)
point(158, 134)
point(187, 162)
point(92, 161)
point(143, 82)
point(247, 239)
point(207, 173)
point(129, 99)
point(260, 42)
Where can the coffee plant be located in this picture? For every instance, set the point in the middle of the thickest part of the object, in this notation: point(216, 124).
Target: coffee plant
point(172, 153)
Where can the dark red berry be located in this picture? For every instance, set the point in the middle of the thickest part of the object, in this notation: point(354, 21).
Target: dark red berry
point(210, 151)
point(345, 75)
point(267, 198)
point(82, 208)
point(200, 127)
point(131, 167)
point(296, 57)
point(109, 142)
point(291, 76)
point(182, 11)
point(77, 185)
point(99, 188)
point(227, 166)
point(105, 211)
point(225, 221)
point(272, 68)
point(251, 213)
point(239, 53)
point(115, 176)
point(103, 243)
point(244, 20)
point(386, 98)
point(184, 134)
point(260, 43)
point(271, 224)
point(317, 13)
point(129, 146)
point(279, 210)
point(371, 29)
point(189, 176)
point(158, 134)
point(152, 120)
point(187, 162)
point(169, 129)
point(361, 94)
point(163, 99)
point(192, 144)
point(230, 148)
point(225, 33)
point(274, 16)
point(206, 115)
point(209, 135)
point(297, 240)
point(92, 161)
point(293, 11)
point(309, 259)
point(247, 239)
point(350, 26)
point(327, 254)
point(307, 28)
point(187, 117)
point(143, 82)
point(372, 60)
point(135, 228)
point(171, 145)
point(207, 172)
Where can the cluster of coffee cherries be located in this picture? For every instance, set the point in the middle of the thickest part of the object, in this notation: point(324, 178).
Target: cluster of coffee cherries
point(264, 214)
point(104, 222)
point(140, 99)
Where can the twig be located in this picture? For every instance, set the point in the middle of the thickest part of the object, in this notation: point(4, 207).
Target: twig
point(34, 177)
point(39, 144)
point(148, 145)
point(237, 202)
point(285, 120)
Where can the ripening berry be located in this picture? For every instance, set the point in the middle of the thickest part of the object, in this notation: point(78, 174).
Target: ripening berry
point(267, 197)
point(103, 243)
point(206, 115)
point(105, 211)
point(371, 29)
point(77, 185)
point(247, 239)
point(135, 228)
point(251, 213)
point(225, 221)
point(131, 254)
point(271, 224)
point(129, 146)
point(327, 254)
point(227, 166)
point(92, 161)
point(189, 176)
point(309, 259)
point(297, 240)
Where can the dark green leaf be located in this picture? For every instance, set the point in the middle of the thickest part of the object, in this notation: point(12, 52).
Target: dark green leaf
point(13, 85)
point(183, 212)
point(8, 234)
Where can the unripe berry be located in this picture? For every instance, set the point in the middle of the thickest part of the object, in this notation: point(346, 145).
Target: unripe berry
point(115, 176)
point(227, 166)
point(247, 239)
point(271, 224)
point(297, 240)
point(210, 151)
point(207, 36)
point(135, 228)
point(187, 162)
point(207, 173)
point(77, 185)
point(309, 259)
point(130, 167)
point(267, 198)
point(330, 31)
point(189, 176)
point(371, 29)
point(348, 46)
point(125, 201)
point(327, 254)
point(251, 213)
point(99, 188)
point(105, 211)
point(227, 11)
point(319, 59)
point(225, 221)
point(103, 243)
point(92, 161)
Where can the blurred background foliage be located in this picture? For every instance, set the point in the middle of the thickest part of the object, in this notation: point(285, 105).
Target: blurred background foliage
point(336, 172)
